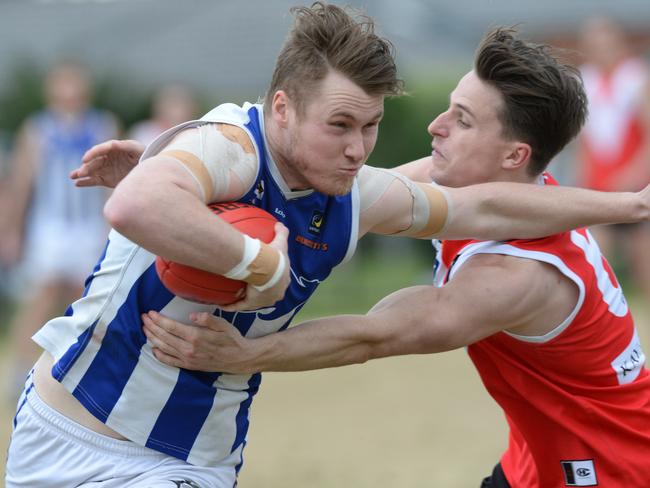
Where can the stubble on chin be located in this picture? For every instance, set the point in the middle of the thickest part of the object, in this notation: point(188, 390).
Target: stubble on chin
point(333, 185)
point(336, 187)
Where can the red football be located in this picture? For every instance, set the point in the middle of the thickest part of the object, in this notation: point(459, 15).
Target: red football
point(205, 287)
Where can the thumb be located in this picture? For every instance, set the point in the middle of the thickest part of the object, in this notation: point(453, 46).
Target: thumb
point(281, 237)
point(202, 319)
point(209, 321)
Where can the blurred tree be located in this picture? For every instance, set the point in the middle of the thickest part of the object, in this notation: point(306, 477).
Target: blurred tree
point(23, 96)
point(403, 132)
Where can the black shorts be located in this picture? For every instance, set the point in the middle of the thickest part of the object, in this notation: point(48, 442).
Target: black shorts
point(497, 480)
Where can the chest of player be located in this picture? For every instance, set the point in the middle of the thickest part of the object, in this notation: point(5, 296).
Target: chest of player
point(321, 233)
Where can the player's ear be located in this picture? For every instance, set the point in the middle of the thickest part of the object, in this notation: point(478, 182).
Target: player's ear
point(280, 108)
point(518, 156)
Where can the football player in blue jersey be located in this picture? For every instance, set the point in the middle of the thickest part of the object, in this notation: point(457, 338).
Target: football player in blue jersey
point(99, 397)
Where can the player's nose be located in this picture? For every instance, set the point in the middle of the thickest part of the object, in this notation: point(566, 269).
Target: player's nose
point(355, 149)
point(438, 126)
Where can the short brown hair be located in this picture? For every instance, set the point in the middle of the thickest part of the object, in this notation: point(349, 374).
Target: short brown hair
point(326, 37)
point(545, 104)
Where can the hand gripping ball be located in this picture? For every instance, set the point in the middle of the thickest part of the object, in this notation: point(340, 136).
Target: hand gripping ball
point(204, 287)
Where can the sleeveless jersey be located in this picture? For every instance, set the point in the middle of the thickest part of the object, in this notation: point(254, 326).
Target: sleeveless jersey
point(104, 360)
point(62, 144)
point(577, 400)
point(612, 135)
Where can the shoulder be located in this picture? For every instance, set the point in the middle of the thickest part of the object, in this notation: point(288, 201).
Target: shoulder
point(34, 128)
point(529, 296)
point(232, 113)
point(215, 139)
point(237, 135)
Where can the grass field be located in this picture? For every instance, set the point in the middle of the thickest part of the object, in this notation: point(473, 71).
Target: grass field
point(409, 422)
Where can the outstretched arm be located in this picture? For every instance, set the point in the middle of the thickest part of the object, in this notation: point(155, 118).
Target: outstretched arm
point(489, 293)
point(391, 204)
point(524, 211)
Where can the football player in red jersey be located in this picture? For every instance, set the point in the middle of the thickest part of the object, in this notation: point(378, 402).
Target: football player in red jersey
point(545, 321)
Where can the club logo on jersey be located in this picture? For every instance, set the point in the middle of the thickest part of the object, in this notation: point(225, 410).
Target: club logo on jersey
point(579, 472)
point(316, 223)
point(259, 191)
point(316, 246)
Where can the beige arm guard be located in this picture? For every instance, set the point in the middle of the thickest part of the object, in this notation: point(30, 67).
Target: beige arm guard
point(395, 205)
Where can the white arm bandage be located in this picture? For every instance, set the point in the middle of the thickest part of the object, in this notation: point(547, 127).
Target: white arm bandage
point(427, 203)
point(261, 266)
point(212, 154)
point(438, 203)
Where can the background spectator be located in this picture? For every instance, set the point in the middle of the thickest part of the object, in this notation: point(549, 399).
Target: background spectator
point(52, 231)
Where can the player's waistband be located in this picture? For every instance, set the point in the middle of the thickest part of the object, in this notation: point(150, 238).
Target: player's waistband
point(78, 433)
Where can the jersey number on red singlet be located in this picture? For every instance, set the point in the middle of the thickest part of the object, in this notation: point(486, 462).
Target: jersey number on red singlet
point(607, 284)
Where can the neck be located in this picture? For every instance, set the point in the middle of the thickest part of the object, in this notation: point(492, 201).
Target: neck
point(66, 114)
point(517, 176)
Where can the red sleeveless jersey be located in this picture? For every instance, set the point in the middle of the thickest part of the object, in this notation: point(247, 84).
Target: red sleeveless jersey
point(577, 399)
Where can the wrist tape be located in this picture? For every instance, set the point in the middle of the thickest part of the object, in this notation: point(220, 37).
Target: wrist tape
point(261, 266)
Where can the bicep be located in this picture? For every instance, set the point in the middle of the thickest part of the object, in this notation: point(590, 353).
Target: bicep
point(158, 176)
point(487, 295)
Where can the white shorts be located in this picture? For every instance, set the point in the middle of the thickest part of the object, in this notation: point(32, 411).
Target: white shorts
point(57, 251)
point(48, 450)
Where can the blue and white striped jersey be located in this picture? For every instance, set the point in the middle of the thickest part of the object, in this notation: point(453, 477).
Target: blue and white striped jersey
point(62, 143)
point(102, 356)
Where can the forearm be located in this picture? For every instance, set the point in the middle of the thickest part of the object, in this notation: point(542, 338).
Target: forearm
point(515, 210)
point(321, 343)
point(405, 322)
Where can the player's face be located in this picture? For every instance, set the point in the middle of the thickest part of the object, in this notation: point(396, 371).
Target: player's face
point(68, 89)
point(468, 145)
point(332, 139)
